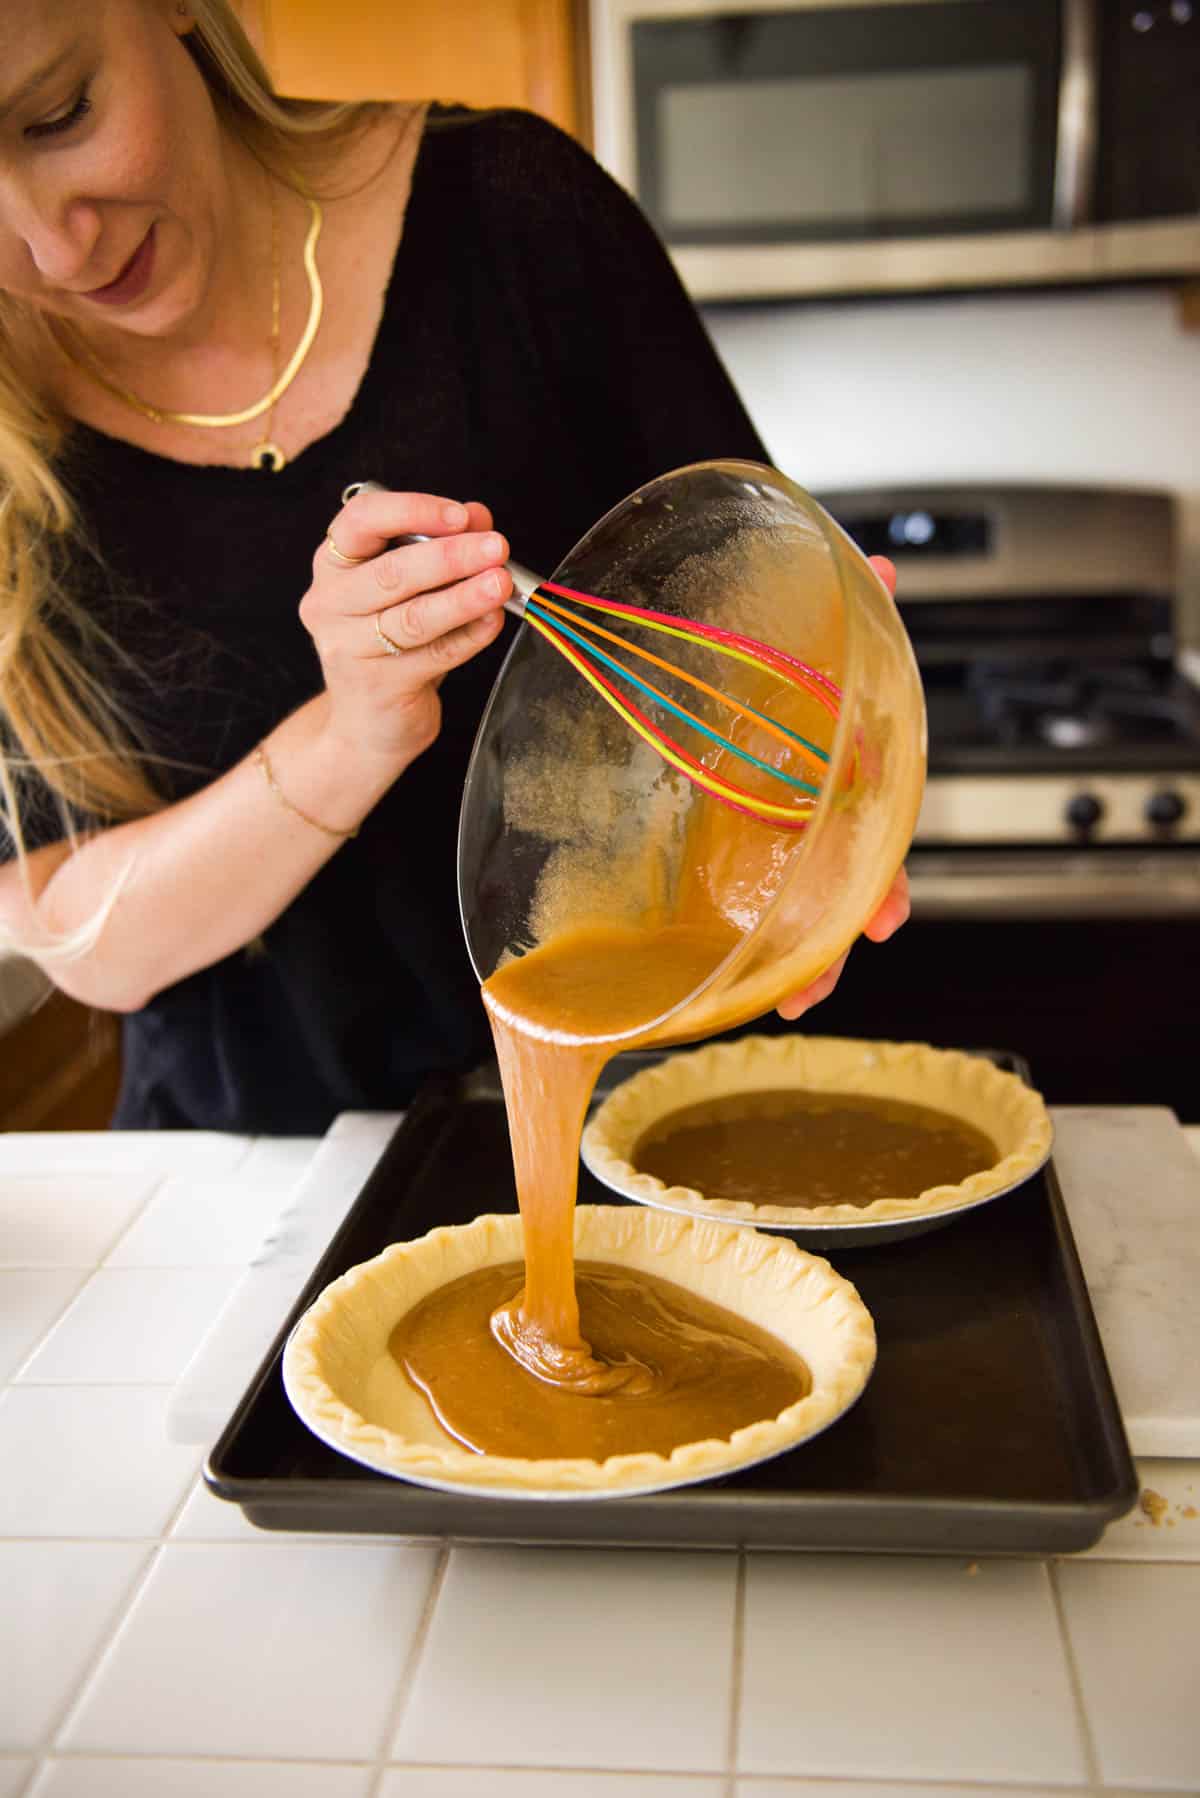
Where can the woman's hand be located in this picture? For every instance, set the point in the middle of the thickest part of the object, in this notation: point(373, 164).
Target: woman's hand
point(891, 914)
point(390, 623)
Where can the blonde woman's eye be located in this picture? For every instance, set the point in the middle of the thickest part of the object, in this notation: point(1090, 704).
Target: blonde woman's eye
point(62, 121)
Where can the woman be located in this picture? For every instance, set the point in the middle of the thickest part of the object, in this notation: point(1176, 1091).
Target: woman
point(235, 722)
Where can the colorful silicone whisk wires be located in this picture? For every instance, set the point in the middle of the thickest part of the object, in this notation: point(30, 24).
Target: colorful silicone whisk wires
point(577, 638)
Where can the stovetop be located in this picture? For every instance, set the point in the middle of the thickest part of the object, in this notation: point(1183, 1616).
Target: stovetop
point(1061, 717)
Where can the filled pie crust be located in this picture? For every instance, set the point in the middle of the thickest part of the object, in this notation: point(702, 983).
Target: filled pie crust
point(351, 1392)
point(967, 1087)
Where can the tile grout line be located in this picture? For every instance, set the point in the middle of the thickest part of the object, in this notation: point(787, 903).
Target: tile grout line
point(408, 1674)
point(92, 1665)
point(851, 1782)
point(156, 1187)
point(10, 1379)
point(925, 1785)
point(736, 1675)
point(1091, 1758)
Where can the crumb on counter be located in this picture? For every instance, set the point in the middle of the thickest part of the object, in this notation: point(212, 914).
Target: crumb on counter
point(1153, 1504)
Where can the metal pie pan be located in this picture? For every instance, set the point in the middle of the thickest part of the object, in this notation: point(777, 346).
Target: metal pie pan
point(824, 1238)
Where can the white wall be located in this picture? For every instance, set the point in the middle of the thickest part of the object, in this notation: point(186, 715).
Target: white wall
point(1063, 387)
point(1069, 386)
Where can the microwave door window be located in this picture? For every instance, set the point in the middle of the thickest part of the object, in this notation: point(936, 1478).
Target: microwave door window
point(848, 155)
point(847, 122)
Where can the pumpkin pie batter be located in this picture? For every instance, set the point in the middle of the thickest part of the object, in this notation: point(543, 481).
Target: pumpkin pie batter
point(811, 1148)
point(655, 1365)
point(692, 1370)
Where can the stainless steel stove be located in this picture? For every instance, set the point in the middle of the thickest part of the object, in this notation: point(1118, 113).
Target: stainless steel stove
point(1056, 866)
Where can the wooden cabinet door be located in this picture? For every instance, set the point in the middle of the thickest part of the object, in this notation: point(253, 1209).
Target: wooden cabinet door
point(480, 52)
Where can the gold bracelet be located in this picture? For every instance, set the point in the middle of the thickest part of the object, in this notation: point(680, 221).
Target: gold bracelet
point(260, 756)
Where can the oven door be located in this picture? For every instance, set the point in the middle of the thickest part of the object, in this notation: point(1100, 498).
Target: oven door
point(805, 121)
point(1027, 884)
point(1087, 966)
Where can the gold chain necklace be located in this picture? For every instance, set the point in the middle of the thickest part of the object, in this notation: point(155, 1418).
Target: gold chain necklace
point(265, 454)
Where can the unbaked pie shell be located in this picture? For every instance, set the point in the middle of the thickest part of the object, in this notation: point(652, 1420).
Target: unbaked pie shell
point(969, 1087)
point(350, 1391)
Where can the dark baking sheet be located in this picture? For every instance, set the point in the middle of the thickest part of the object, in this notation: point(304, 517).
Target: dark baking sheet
point(989, 1426)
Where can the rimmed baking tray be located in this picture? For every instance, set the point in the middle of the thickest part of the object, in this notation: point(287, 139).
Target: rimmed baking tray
point(990, 1425)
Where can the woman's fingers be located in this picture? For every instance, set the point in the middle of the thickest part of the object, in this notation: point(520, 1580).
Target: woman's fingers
point(432, 602)
point(891, 914)
point(425, 589)
point(370, 521)
point(886, 571)
point(887, 920)
point(894, 911)
point(794, 1007)
point(438, 638)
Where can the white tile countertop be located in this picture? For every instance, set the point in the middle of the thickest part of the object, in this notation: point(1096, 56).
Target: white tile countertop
point(153, 1644)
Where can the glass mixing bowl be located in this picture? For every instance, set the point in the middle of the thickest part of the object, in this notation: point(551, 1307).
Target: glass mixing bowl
point(570, 819)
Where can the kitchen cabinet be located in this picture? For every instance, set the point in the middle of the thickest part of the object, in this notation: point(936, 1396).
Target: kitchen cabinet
point(59, 1067)
point(481, 52)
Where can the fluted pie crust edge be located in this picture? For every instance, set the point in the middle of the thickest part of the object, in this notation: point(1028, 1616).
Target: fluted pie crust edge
point(347, 1388)
point(969, 1087)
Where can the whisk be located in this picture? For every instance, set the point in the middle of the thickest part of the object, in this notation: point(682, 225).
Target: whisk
point(577, 638)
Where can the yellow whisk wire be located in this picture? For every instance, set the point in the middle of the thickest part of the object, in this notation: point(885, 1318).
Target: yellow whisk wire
point(673, 630)
point(703, 777)
point(789, 739)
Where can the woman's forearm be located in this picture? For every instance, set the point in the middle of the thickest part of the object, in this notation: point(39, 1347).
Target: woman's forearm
point(202, 878)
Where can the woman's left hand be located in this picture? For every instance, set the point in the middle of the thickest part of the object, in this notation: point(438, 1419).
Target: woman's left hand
point(891, 914)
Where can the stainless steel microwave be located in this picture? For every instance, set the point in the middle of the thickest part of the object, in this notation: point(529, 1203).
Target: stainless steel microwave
point(795, 147)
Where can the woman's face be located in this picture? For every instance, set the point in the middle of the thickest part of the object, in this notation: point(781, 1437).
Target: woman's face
point(113, 175)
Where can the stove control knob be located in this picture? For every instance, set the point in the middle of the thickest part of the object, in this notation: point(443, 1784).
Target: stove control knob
point(1165, 808)
point(1084, 811)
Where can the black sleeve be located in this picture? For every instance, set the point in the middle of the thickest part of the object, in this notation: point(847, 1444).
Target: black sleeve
point(637, 375)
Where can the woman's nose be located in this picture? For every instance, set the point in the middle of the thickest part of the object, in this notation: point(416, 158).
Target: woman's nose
point(55, 235)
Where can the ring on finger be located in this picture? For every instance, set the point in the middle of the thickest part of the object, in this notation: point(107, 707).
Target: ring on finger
point(340, 556)
point(392, 647)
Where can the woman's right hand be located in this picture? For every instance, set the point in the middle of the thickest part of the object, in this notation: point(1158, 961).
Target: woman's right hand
point(390, 623)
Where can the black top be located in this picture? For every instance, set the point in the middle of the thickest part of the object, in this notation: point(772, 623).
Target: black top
point(536, 351)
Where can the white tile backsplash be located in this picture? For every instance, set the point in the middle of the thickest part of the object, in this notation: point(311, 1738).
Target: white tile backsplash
point(31, 1299)
point(894, 1667)
point(146, 1153)
point(14, 1777)
point(52, 1220)
point(501, 1782)
point(136, 1326)
point(216, 1218)
point(88, 1777)
point(855, 1788)
point(543, 1648)
point(1134, 1633)
point(60, 1601)
point(94, 1461)
point(290, 1651)
point(202, 1223)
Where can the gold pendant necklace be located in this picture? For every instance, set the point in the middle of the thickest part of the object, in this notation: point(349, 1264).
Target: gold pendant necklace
point(266, 454)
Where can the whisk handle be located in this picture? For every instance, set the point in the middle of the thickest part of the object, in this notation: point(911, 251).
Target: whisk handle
point(525, 582)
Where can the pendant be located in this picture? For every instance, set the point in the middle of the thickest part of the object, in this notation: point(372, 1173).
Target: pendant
point(268, 456)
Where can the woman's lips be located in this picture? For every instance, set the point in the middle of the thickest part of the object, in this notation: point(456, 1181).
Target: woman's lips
point(133, 279)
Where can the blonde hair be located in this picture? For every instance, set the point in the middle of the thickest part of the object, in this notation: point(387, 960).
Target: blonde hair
point(59, 730)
